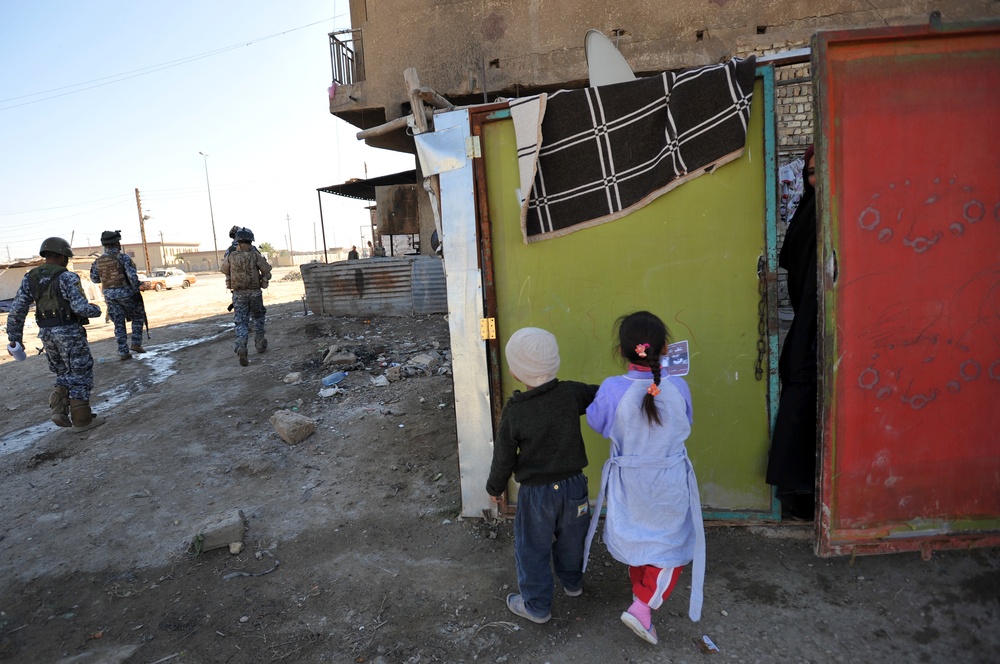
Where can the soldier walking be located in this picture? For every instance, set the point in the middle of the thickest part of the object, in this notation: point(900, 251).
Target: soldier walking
point(116, 273)
point(61, 311)
point(247, 272)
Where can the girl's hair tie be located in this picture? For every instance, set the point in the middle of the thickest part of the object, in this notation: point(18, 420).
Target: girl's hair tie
point(653, 389)
point(641, 349)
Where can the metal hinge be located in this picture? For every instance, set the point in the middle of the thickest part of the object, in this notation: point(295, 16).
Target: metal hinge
point(473, 150)
point(488, 328)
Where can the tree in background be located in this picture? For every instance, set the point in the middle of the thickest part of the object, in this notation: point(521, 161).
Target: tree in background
point(266, 247)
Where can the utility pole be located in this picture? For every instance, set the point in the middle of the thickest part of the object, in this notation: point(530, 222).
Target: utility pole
point(142, 229)
point(291, 257)
point(208, 185)
point(163, 251)
point(322, 226)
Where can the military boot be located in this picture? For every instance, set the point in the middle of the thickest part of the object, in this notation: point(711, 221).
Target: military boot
point(59, 403)
point(260, 343)
point(241, 353)
point(79, 410)
point(137, 348)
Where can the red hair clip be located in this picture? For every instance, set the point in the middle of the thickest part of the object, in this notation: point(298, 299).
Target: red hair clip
point(641, 349)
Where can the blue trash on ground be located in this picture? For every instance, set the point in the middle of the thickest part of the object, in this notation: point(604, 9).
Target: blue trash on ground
point(334, 378)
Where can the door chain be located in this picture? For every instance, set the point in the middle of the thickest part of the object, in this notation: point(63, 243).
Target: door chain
point(761, 318)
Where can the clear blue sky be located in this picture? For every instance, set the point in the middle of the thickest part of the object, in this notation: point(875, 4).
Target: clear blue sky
point(76, 140)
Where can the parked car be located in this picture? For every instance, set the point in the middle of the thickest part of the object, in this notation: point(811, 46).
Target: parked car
point(166, 278)
point(147, 282)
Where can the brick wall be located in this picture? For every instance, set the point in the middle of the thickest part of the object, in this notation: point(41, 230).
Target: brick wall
point(794, 122)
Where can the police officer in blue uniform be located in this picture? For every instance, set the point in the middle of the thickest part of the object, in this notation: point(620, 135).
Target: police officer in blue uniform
point(61, 311)
point(116, 273)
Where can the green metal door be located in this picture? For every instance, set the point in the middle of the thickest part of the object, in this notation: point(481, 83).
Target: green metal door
point(691, 257)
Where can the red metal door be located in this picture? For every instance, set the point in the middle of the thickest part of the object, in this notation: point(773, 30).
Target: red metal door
point(909, 166)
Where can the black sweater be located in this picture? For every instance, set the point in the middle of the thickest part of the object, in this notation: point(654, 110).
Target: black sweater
point(539, 438)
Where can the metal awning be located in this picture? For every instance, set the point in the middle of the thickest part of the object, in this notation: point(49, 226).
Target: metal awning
point(364, 189)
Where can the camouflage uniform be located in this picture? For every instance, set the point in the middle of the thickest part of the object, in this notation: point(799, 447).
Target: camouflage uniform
point(121, 293)
point(63, 336)
point(247, 272)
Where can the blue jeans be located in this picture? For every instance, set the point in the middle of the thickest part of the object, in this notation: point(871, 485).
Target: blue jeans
point(550, 527)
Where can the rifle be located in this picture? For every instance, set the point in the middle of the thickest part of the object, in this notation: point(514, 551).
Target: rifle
point(141, 308)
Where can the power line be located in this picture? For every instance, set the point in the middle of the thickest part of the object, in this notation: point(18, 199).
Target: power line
point(175, 193)
point(124, 76)
point(31, 224)
point(58, 207)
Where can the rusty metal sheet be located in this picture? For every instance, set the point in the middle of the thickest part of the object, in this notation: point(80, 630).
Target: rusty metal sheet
point(396, 209)
point(910, 308)
point(402, 286)
point(429, 289)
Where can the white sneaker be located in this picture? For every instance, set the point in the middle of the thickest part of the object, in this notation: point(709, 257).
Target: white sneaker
point(633, 624)
point(516, 605)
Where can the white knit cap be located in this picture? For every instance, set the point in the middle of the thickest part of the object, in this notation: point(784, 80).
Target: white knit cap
point(533, 356)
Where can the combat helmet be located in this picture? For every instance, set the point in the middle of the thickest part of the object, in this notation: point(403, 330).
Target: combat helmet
point(232, 231)
point(244, 235)
point(56, 245)
point(109, 238)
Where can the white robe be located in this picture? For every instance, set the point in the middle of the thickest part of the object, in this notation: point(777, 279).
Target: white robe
point(653, 514)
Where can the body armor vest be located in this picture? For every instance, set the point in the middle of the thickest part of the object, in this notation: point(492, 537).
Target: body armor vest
point(111, 271)
point(243, 272)
point(51, 308)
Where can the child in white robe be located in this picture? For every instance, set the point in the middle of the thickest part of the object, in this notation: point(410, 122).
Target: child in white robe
point(653, 521)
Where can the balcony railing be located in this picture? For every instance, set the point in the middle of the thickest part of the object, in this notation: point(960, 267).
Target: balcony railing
point(347, 57)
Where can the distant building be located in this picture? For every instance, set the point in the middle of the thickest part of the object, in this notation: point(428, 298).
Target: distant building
point(161, 254)
point(11, 275)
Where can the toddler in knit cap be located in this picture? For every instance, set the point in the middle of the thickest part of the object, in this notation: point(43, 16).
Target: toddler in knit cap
point(538, 441)
point(533, 356)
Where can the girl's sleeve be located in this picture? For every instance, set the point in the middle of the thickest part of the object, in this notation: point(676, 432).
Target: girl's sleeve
point(601, 413)
point(685, 391)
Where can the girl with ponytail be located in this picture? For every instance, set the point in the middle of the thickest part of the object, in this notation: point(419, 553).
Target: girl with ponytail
point(653, 518)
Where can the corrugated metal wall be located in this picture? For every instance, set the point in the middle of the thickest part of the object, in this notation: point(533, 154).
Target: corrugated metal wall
point(400, 286)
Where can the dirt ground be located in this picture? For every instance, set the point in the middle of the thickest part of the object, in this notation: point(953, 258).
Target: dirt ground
point(354, 550)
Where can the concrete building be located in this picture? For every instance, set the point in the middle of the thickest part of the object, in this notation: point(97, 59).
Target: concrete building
point(161, 254)
point(471, 51)
point(486, 49)
point(11, 275)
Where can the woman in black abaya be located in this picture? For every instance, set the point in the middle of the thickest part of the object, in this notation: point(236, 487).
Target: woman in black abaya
point(791, 462)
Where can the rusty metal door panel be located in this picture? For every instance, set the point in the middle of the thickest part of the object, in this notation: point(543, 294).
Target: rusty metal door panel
point(396, 205)
point(909, 184)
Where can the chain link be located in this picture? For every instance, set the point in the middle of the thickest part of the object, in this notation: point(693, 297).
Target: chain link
point(761, 318)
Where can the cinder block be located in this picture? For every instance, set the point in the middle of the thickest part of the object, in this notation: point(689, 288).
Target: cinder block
point(220, 531)
point(429, 359)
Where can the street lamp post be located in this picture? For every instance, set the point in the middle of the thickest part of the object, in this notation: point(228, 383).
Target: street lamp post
point(208, 185)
